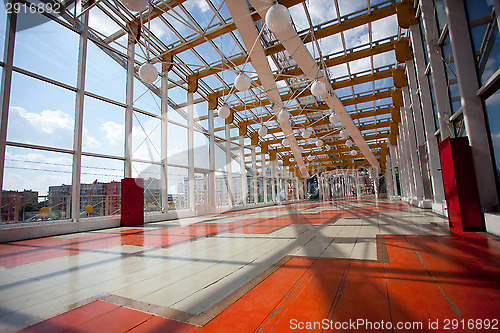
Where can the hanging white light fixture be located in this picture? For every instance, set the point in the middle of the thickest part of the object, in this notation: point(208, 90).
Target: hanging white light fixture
point(343, 134)
point(319, 143)
point(285, 142)
point(348, 143)
point(263, 131)
point(334, 118)
point(318, 89)
point(242, 82)
point(148, 72)
point(327, 147)
point(306, 133)
point(278, 18)
point(354, 152)
point(284, 115)
point(224, 112)
point(135, 5)
point(310, 158)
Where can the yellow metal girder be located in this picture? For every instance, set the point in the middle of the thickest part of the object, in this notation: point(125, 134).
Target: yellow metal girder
point(382, 124)
point(380, 136)
point(335, 85)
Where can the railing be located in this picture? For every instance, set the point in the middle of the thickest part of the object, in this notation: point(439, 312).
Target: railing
point(21, 208)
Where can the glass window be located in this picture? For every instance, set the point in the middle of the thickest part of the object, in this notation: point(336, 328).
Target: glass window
point(424, 41)
point(220, 155)
point(221, 192)
point(485, 37)
point(178, 187)
point(34, 179)
point(151, 173)
point(440, 14)
point(49, 49)
point(177, 144)
point(451, 77)
point(237, 190)
point(146, 137)
point(201, 154)
point(492, 106)
point(3, 24)
point(459, 126)
point(103, 127)
point(145, 99)
point(40, 113)
point(235, 158)
point(104, 76)
point(178, 115)
point(100, 186)
point(433, 98)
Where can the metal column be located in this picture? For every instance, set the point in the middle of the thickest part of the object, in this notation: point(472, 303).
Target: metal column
point(412, 146)
point(78, 130)
point(211, 156)
point(265, 180)
point(255, 177)
point(191, 180)
point(164, 111)
point(244, 184)
point(129, 110)
point(274, 180)
point(428, 115)
point(227, 131)
point(394, 165)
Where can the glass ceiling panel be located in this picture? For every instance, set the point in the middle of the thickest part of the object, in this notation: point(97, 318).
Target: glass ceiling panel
point(351, 6)
point(222, 10)
point(359, 66)
point(321, 11)
point(190, 59)
point(384, 59)
point(102, 23)
point(180, 22)
point(201, 12)
point(161, 30)
point(384, 28)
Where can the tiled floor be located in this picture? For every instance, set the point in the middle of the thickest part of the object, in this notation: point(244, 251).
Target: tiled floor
point(278, 269)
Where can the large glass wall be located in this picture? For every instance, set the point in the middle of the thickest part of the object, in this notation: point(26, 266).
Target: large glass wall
point(43, 125)
point(485, 35)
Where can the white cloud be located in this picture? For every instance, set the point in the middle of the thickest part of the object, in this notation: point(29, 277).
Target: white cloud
point(203, 5)
point(48, 121)
point(90, 142)
point(299, 17)
point(348, 7)
point(158, 28)
point(321, 10)
point(114, 132)
point(384, 27)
